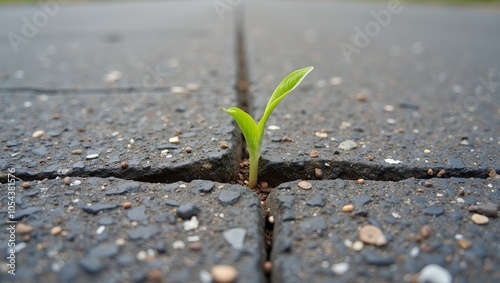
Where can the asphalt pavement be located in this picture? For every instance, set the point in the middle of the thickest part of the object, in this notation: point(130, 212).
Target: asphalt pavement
point(118, 163)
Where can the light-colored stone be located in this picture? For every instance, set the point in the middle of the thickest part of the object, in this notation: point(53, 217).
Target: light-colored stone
point(348, 145)
point(305, 185)
point(434, 273)
point(372, 235)
point(479, 219)
point(224, 273)
point(348, 208)
point(38, 134)
point(340, 268)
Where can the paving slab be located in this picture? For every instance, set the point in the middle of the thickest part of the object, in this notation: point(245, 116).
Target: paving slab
point(159, 137)
point(417, 91)
point(143, 45)
point(78, 230)
point(135, 76)
point(424, 222)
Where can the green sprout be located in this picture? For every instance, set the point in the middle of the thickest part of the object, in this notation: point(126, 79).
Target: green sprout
point(254, 132)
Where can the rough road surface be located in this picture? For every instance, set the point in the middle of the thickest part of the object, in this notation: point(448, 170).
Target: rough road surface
point(119, 165)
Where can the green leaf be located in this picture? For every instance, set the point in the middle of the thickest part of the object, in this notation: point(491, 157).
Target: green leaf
point(284, 88)
point(247, 126)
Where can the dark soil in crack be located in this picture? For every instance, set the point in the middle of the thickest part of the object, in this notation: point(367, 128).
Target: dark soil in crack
point(262, 190)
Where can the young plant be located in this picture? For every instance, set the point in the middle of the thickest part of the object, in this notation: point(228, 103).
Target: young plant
point(254, 132)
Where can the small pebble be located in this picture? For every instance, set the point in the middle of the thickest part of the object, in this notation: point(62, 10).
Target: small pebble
point(100, 230)
point(77, 152)
point(427, 151)
point(195, 246)
point(124, 165)
point(314, 153)
point(268, 266)
point(361, 97)
point(127, 205)
point(357, 246)
point(120, 242)
point(430, 172)
point(273, 128)
point(389, 108)
point(224, 145)
point(340, 268)
point(464, 244)
point(67, 181)
point(155, 276)
point(434, 273)
point(26, 185)
point(92, 156)
point(178, 245)
point(174, 140)
point(440, 173)
point(305, 185)
point(38, 134)
point(318, 173)
point(372, 235)
point(224, 273)
point(493, 174)
point(348, 145)
point(56, 230)
point(479, 219)
point(188, 149)
point(392, 161)
point(348, 208)
point(361, 181)
point(24, 229)
point(425, 232)
point(321, 135)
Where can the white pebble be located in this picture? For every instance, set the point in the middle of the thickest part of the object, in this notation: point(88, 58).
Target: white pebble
point(273, 128)
point(191, 224)
point(434, 273)
point(178, 245)
point(193, 238)
point(357, 246)
point(38, 134)
point(142, 255)
point(92, 156)
point(392, 161)
point(340, 268)
point(415, 252)
point(174, 140)
point(100, 230)
point(391, 121)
